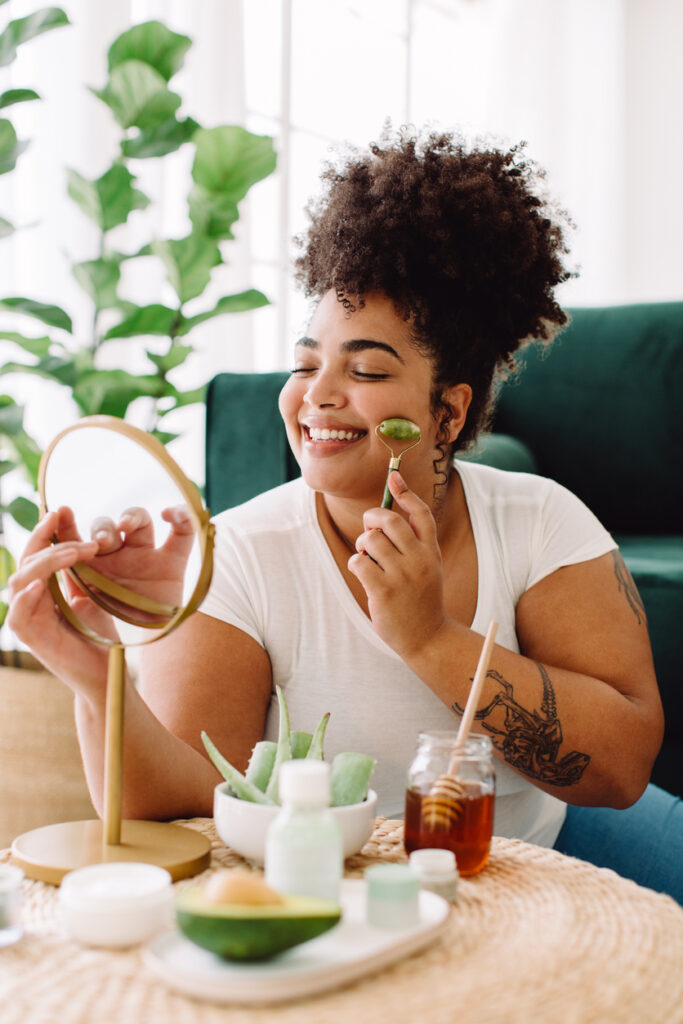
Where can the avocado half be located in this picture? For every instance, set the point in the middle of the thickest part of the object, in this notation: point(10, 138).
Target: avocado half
point(238, 931)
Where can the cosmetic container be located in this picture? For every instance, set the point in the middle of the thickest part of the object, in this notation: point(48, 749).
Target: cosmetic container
point(116, 905)
point(392, 896)
point(11, 878)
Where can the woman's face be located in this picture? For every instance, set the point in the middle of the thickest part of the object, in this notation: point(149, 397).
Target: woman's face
point(350, 373)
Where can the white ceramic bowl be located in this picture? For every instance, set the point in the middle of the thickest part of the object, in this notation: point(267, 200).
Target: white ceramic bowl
point(243, 825)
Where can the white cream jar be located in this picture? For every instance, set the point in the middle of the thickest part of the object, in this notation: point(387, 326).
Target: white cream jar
point(117, 904)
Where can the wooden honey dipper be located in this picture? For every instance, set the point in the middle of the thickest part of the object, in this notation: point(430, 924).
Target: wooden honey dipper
point(442, 806)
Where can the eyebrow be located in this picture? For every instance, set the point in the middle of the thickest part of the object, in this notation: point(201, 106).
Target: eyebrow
point(354, 345)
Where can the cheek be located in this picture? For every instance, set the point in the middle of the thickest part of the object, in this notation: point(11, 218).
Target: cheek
point(289, 402)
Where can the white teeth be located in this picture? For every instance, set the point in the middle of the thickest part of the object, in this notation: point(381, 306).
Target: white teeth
point(325, 434)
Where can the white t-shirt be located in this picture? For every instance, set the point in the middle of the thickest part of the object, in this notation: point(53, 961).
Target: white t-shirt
point(276, 579)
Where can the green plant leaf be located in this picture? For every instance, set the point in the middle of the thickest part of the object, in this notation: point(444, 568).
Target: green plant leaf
point(12, 96)
point(164, 436)
point(110, 199)
point(160, 140)
point(239, 303)
point(10, 147)
point(138, 96)
point(100, 279)
point(53, 316)
point(29, 455)
point(36, 346)
point(22, 29)
point(11, 416)
point(176, 355)
point(152, 43)
point(7, 565)
point(229, 160)
point(4, 608)
point(24, 512)
point(63, 370)
point(7, 465)
point(110, 392)
point(154, 319)
point(212, 214)
point(6, 228)
point(189, 262)
point(182, 398)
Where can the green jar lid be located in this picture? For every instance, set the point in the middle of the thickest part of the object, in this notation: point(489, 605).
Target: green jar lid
point(391, 882)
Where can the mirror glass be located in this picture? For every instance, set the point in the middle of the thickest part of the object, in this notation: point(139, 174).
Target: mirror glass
point(100, 473)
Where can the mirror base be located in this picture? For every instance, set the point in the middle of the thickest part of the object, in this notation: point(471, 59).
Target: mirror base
point(48, 853)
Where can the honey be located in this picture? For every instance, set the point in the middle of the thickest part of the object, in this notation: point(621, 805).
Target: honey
point(466, 832)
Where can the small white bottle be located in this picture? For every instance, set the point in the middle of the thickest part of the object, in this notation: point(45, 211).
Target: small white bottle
point(304, 842)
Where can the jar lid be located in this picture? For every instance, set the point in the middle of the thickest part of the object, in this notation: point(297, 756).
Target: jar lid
point(303, 783)
point(433, 862)
point(476, 745)
point(115, 886)
point(391, 882)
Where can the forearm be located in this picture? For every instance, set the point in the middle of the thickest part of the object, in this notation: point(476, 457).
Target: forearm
point(575, 736)
point(163, 777)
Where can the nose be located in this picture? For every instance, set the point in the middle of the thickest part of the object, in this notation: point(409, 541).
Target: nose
point(325, 390)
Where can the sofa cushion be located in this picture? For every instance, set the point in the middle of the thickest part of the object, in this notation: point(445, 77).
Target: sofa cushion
point(601, 411)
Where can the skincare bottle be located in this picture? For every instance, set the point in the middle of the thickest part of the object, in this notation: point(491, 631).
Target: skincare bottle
point(304, 844)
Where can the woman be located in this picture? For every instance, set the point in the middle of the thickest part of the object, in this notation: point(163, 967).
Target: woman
point(430, 264)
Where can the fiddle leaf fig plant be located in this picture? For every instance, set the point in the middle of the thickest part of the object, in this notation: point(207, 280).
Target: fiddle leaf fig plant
point(227, 161)
point(18, 450)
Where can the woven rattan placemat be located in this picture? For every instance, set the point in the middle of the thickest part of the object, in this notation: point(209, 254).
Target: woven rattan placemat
point(535, 938)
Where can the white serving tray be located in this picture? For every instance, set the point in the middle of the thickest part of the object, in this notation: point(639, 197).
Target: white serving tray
point(350, 950)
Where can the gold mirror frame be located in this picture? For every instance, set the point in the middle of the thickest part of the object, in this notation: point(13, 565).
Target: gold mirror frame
point(48, 853)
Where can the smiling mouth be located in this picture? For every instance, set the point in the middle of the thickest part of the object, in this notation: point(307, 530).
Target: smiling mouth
point(323, 434)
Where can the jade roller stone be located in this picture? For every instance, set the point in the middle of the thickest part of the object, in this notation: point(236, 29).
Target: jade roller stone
point(396, 429)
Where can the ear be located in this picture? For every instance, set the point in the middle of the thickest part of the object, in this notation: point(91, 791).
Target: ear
point(458, 399)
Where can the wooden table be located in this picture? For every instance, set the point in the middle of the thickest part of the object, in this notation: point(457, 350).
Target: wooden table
point(535, 938)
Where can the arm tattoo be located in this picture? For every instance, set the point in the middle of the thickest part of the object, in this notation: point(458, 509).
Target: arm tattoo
point(626, 583)
point(530, 740)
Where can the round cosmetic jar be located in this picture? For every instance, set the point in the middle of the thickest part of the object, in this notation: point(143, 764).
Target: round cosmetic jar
point(437, 872)
point(392, 896)
point(11, 878)
point(116, 905)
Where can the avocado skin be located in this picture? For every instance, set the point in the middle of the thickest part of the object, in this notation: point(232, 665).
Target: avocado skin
point(243, 937)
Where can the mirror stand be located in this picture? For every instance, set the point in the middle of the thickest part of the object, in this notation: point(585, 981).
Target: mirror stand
point(49, 852)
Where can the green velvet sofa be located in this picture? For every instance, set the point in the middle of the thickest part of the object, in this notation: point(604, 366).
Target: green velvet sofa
point(599, 411)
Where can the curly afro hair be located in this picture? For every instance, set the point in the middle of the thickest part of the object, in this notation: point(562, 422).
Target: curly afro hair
point(459, 239)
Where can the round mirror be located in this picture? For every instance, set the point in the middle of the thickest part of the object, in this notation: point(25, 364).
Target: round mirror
point(153, 571)
point(102, 468)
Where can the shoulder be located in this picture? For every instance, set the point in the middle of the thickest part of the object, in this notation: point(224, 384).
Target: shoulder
point(283, 508)
point(494, 486)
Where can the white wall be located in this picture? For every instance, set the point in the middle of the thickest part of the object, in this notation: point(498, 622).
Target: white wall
point(653, 154)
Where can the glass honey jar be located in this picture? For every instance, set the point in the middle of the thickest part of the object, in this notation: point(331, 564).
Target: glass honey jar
point(449, 805)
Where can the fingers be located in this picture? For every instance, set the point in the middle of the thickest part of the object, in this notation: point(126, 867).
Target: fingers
point(181, 537)
point(105, 534)
point(137, 528)
point(43, 563)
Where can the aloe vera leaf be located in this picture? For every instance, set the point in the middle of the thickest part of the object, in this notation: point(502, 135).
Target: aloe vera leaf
point(301, 743)
point(315, 751)
point(241, 787)
point(350, 778)
point(284, 747)
point(261, 763)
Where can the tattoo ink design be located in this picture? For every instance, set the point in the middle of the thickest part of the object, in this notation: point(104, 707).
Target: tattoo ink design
point(530, 740)
point(626, 583)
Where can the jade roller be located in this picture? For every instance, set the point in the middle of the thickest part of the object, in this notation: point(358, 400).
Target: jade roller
point(397, 430)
